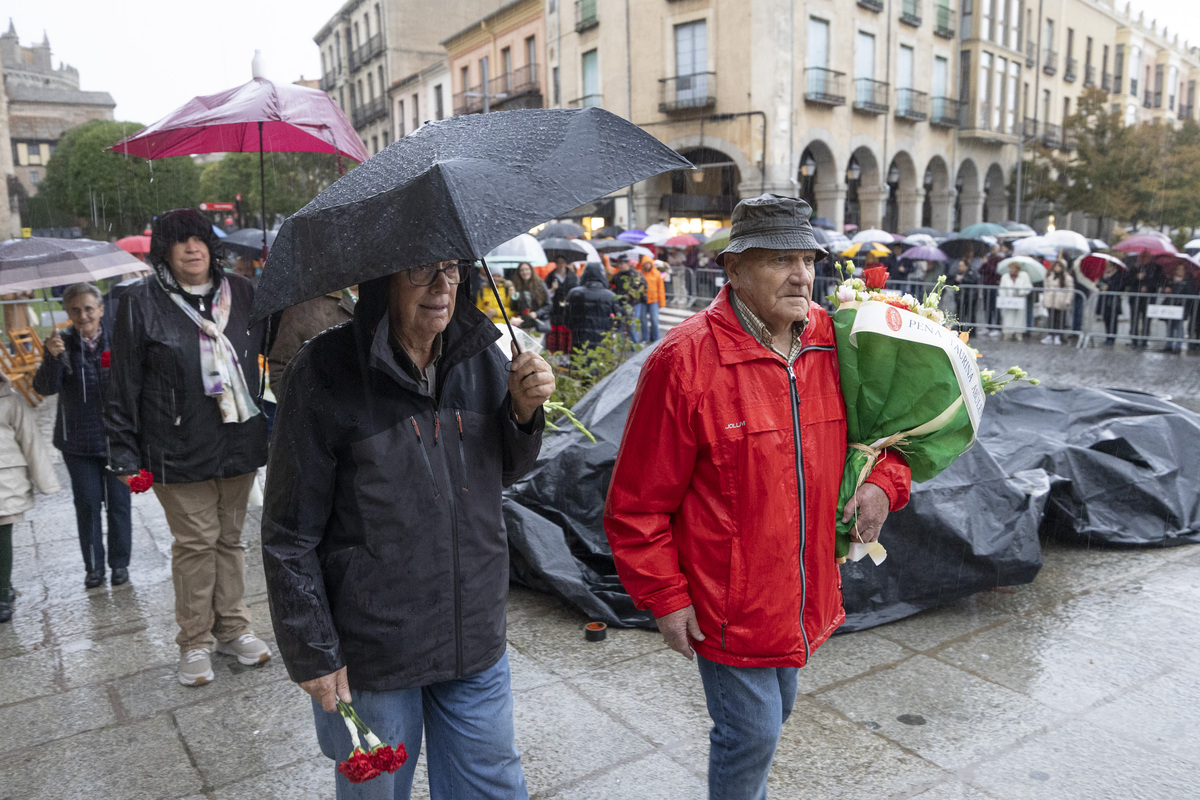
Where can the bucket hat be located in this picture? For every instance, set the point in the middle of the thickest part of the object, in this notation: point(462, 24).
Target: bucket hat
point(772, 222)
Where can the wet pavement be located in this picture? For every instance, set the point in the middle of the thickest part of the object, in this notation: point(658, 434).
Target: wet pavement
point(1083, 684)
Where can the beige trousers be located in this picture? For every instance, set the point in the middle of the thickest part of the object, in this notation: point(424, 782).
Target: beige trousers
point(208, 558)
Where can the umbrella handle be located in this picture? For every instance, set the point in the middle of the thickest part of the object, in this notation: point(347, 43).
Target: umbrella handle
point(499, 302)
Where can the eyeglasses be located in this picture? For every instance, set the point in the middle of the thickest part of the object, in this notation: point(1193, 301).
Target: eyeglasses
point(426, 274)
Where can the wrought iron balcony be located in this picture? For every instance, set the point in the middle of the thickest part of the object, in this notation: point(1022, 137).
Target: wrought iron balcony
point(910, 12)
point(511, 85)
point(872, 5)
point(364, 53)
point(1072, 70)
point(368, 112)
point(912, 105)
point(328, 81)
point(1030, 128)
point(870, 96)
point(686, 92)
point(825, 86)
point(945, 112)
point(468, 102)
point(1089, 76)
point(1049, 61)
point(1052, 135)
point(943, 22)
point(585, 15)
point(587, 101)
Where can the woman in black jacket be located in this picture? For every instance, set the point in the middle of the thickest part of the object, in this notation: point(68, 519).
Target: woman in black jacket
point(76, 369)
point(185, 401)
point(592, 308)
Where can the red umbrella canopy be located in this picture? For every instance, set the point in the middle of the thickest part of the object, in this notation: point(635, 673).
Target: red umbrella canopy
point(295, 119)
point(137, 245)
point(683, 240)
point(1093, 266)
point(1136, 244)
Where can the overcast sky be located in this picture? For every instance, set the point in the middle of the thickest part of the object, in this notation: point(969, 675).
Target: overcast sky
point(154, 56)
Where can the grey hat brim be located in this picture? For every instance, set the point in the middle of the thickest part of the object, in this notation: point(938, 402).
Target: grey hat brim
point(790, 240)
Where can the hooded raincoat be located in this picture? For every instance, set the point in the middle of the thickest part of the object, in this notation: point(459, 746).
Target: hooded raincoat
point(383, 540)
point(723, 437)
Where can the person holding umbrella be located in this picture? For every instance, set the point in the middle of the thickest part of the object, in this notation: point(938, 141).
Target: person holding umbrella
point(184, 404)
point(76, 369)
point(383, 535)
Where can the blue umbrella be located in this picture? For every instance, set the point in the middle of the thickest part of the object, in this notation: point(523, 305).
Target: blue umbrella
point(633, 236)
point(220, 233)
point(821, 222)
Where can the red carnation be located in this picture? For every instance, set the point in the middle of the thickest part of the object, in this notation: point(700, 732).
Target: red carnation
point(875, 277)
point(106, 359)
point(141, 482)
point(386, 759)
point(358, 767)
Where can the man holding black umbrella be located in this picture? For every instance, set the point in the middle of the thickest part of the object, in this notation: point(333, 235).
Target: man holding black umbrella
point(383, 540)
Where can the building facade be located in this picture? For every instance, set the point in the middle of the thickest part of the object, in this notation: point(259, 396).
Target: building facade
point(371, 45)
point(881, 113)
point(497, 63)
point(43, 103)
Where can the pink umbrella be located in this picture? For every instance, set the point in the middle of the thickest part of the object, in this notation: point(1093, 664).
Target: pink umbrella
point(259, 116)
point(683, 240)
point(135, 245)
point(1142, 241)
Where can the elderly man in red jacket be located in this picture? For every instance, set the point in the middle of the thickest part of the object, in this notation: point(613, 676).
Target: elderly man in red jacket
point(722, 506)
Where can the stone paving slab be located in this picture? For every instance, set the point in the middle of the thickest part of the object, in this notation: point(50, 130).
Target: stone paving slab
point(1077, 685)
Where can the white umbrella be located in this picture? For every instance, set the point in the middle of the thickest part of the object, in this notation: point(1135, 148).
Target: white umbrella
point(1068, 240)
point(921, 240)
point(591, 254)
point(39, 263)
point(520, 248)
point(1033, 245)
point(1194, 244)
point(1034, 269)
point(873, 235)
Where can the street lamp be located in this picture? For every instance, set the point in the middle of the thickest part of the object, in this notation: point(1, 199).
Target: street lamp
point(808, 167)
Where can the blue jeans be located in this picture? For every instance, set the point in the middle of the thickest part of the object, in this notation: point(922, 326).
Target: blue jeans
point(468, 724)
point(748, 706)
point(648, 315)
point(95, 487)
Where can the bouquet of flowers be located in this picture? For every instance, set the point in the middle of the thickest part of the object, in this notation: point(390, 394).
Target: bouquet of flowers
point(363, 765)
point(909, 383)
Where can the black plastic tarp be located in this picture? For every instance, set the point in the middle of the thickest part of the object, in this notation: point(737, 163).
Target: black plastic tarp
point(1124, 466)
point(1111, 464)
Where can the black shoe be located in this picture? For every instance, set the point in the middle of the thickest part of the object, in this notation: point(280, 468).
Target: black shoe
point(6, 604)
point(93, 579)
point(120, 575)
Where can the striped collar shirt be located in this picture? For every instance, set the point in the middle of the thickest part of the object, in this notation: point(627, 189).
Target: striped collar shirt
point(758, 329)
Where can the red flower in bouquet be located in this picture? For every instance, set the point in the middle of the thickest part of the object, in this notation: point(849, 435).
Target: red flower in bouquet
point(387, 759)
point(358, 767)
point(141, 482)
point(106, 359)
point(875, 277)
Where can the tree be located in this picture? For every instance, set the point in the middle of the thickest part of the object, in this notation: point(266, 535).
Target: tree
point(1104, 166)
point(115, 195)
point(292, 180)
point(1178, 186)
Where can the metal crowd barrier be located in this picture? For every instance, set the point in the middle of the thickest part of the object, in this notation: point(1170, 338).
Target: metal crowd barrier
point(1170, 320)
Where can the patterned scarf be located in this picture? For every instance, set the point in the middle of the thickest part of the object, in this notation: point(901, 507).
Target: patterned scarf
point(219, 368)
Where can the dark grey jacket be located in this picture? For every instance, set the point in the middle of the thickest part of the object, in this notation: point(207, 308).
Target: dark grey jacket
point(383, 540)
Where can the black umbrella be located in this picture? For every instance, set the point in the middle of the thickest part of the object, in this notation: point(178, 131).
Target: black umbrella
point(561, 230)
point(962, 247)
point(249, 242)
point(610, 245)
point(553, 248)
point(454, 188)
point(608, 232)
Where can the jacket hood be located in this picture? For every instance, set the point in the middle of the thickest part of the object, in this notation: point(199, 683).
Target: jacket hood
point(593, 272)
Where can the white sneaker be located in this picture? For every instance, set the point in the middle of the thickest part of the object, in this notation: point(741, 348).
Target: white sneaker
point(248, 648)
point(1057, 339)
point(195, 668)
point(993, 333)
point(1047, 339)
